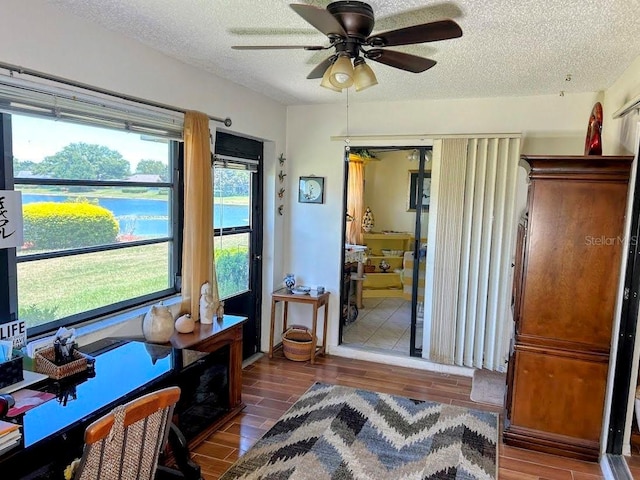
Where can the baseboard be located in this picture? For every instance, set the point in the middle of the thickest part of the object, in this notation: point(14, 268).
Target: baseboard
point(399, 360)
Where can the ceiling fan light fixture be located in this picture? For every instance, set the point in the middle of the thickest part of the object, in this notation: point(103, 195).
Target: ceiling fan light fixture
point(326, 81)
point(341, 75)
point(363, 76)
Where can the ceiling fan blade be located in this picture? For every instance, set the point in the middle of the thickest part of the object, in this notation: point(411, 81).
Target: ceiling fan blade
point(403, 61)
point(278, 47)
point(426, 32)
point(318, 72)
point(319, 18)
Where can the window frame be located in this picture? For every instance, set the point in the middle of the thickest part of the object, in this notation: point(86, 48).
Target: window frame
point(10, 260)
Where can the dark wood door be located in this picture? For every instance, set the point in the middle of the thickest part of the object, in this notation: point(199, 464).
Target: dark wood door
point(238, 231)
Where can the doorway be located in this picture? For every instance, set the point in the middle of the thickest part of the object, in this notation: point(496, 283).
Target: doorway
point(624, 408)
point(237, 202)
point(386, 224)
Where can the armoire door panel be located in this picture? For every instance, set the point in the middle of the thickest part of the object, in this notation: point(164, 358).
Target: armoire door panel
point(558, 394)
point(573, 253)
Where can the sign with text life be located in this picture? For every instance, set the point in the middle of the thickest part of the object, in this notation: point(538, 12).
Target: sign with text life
point(15, 332)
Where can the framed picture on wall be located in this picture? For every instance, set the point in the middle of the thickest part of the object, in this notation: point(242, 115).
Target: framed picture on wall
point(311, 190)
point(412, 194)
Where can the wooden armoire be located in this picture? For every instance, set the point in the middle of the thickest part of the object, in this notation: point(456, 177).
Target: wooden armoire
point(566, 280)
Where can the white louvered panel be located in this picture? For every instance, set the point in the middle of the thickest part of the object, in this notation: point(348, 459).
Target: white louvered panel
point(503, 312)
point(486, 252)
point(451, 183)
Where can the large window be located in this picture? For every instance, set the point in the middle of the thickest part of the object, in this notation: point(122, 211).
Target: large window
point(100, 217)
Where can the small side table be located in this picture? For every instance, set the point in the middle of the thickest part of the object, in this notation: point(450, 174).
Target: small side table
point(317, 301)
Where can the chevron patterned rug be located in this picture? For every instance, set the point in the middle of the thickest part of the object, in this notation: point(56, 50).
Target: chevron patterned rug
point(341, 433)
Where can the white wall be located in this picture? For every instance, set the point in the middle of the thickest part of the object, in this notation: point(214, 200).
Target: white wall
point(38, 37)
point(619, 135)
point(549, 124)
point(386, 189)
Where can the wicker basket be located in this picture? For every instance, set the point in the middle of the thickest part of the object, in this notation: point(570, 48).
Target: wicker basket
point(297, 344)
point(368, 268)
point(45, 364)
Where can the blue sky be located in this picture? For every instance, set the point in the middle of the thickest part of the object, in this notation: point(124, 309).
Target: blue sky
point(36, 138)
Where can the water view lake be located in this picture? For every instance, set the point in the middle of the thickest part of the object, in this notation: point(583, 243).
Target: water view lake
point(147, 217)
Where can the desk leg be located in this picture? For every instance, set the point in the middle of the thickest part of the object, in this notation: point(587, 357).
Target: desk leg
point(358, 294)
point(324, 329)
point(273, 326)
point(235, 369)
point(314, 328)
point(285, 316)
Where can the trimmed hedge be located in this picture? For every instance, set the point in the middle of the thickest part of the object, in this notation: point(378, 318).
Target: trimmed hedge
point(232, 270)
point(51, 225)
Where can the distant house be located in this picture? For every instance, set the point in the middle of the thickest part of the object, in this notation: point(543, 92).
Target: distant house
point(145, 177)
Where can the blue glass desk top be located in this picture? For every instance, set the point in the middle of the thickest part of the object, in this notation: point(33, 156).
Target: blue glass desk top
point(118, 373)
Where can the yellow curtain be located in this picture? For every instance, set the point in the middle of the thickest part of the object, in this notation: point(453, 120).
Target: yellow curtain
point(355, 201)
point(197, 248)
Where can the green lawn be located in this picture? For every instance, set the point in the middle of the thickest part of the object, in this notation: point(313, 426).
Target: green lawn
point(60, 287)
point(70, 285)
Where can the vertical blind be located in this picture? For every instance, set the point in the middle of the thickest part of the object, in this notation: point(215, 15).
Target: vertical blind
point(473, 249)
point(445, 244)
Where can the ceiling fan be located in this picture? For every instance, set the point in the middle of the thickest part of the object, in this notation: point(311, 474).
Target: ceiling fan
point(348, 26)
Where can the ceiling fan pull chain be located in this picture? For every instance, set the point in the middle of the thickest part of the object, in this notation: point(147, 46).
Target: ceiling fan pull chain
point(348, 140)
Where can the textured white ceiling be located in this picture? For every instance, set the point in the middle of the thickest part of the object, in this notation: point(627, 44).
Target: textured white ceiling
point(508, 47)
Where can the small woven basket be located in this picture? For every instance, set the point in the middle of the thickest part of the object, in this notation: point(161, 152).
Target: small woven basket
point(368, 267)
point(297, 344)
point(45, 364)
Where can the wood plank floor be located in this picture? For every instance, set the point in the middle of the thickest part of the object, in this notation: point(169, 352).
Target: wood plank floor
point(270, 387)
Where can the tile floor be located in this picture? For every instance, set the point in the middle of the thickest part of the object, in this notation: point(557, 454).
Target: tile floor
point(383, 324)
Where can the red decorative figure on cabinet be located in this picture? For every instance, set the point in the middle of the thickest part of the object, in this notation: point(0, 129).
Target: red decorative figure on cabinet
point(593, 142)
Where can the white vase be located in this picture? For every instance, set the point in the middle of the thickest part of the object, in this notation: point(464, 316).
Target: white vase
point(289, 281)
point(185, 324)
point(157, 325)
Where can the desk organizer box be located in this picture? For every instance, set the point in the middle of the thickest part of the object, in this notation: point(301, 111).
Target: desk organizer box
point(11, 371)
point(45, 364)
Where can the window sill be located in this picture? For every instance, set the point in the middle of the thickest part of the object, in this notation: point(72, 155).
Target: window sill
point(122, 324)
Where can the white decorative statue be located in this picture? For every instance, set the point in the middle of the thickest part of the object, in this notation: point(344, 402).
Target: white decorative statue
point(207, 304)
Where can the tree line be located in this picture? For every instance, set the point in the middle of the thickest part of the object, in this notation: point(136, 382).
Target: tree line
point(84, 161)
